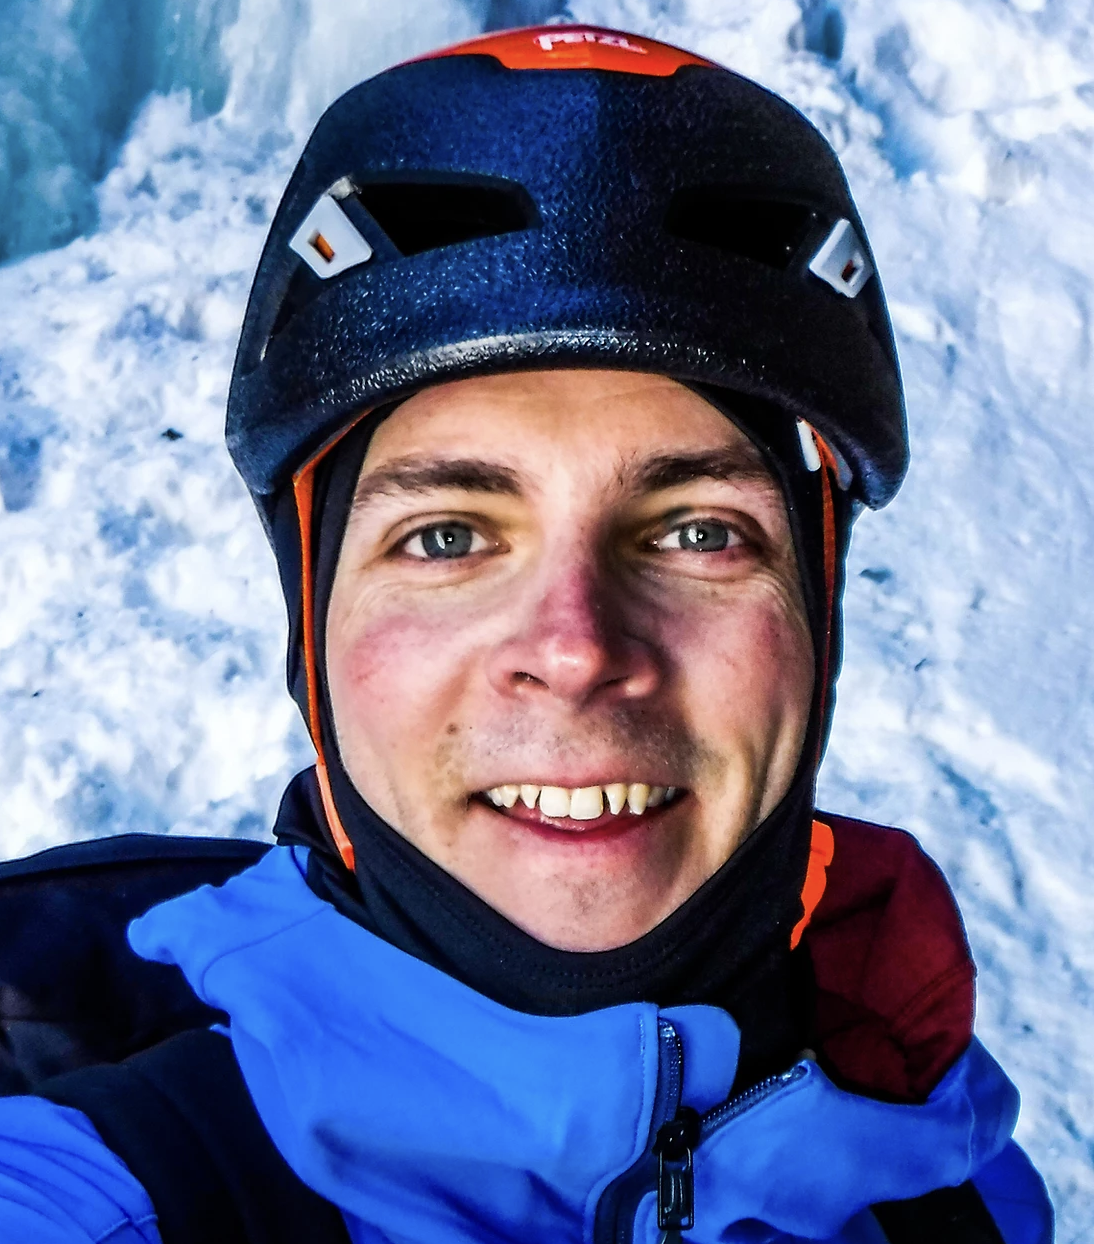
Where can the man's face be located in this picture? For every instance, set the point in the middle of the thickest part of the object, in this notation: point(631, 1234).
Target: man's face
point(578, 587)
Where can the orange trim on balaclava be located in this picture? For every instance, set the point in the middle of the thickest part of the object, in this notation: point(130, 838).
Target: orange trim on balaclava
point(303, 483)
point(822, 844)
point(822, 848)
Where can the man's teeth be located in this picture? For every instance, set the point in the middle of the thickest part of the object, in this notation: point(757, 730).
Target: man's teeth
point(583, 803)
point(616, 795)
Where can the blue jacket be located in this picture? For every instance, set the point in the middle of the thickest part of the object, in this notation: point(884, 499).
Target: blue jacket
point(429, 1113)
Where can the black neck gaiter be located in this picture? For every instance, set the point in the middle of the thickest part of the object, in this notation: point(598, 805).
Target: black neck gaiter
point(728, 945)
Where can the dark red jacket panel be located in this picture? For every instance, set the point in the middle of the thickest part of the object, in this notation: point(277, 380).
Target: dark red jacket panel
point(895, 977)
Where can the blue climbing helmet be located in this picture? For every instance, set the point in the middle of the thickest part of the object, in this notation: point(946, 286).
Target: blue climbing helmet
point(565, 196)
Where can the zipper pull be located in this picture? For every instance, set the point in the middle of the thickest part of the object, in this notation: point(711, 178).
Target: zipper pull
point(675, 1181)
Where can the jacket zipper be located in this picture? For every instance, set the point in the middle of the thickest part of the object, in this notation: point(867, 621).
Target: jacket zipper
point(675, 1131)
point(743, 1102)
point(618, 1205)
point(673, 1148)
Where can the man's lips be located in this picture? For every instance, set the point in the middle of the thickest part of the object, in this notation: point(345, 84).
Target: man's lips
point(566, 829)
point(581, 803)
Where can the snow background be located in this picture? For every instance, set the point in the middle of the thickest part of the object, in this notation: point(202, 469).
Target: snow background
point(141, 627)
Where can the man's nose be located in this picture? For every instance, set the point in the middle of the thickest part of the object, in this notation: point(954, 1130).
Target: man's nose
point(572, 642)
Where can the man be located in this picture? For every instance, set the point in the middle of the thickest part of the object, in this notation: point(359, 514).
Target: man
point(563, 373)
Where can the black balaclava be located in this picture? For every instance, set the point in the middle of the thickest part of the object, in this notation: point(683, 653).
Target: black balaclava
point(728, 945)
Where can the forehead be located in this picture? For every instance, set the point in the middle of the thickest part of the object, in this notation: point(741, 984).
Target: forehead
point(589, 422)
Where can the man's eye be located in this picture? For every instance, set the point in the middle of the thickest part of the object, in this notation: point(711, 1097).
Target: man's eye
point(705, 535)
point(444, 540)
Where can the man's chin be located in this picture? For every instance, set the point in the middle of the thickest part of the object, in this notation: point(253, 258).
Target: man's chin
point(587, 918)
point(579, 886)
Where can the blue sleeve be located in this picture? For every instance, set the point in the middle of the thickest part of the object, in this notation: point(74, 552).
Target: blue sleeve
point(1017, 1198)
point(59, 1184)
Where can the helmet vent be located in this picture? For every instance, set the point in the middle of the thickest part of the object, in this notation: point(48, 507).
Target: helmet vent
point(428, 214)
point(416, 213)
point(770, 232)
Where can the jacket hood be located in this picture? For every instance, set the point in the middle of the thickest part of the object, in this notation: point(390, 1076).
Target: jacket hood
point(430, 1112)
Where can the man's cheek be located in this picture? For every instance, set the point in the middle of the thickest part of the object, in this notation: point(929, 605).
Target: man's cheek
point(748, 672)
point(396, 669)
point(747, 643)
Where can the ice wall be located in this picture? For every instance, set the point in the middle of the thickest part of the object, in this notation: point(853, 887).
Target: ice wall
point(73, 74)
point(323, 47)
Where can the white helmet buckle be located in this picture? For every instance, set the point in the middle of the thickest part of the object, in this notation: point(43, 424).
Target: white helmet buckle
point(842, 261)
point(328, 242)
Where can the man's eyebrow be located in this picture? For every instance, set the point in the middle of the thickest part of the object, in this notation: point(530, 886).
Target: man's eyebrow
point(419, 475)
point(672, 470)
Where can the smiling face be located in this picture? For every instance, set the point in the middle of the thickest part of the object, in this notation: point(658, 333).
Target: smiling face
point(567, 648)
